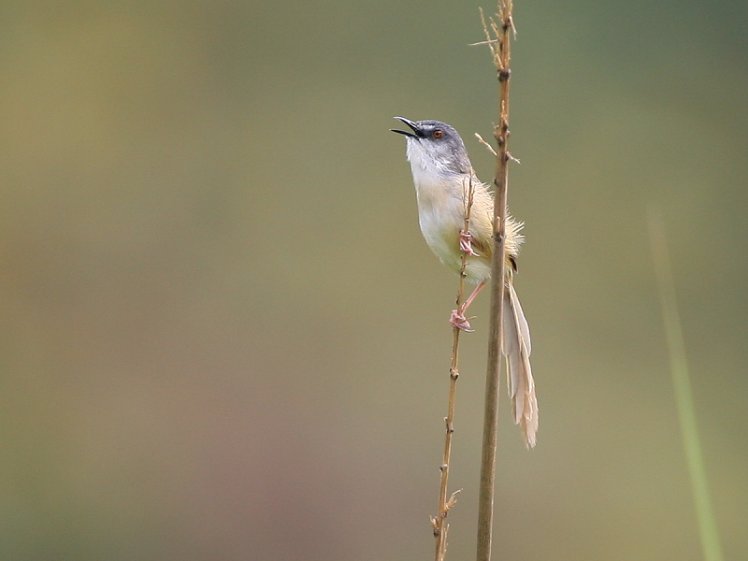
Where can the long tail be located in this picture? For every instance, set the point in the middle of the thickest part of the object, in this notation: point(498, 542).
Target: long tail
point(516, 348)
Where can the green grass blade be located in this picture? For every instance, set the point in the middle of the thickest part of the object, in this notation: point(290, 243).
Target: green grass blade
point(708, 532)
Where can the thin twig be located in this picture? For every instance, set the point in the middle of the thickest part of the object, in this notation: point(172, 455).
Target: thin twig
point(486, 144)
point(439, 522)
point(500, 54)
point(489, 42)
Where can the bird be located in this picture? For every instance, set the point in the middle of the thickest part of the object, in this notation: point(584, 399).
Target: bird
point(442, 174)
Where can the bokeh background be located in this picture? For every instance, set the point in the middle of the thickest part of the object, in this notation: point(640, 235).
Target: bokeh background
point(223, 337)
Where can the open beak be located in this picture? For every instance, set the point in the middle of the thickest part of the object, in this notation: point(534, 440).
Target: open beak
point(417, 133)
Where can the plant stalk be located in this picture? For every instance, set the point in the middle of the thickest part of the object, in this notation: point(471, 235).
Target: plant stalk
point(498, 40)
point(439, 522)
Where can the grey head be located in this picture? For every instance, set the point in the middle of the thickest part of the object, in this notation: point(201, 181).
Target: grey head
point(435, 147)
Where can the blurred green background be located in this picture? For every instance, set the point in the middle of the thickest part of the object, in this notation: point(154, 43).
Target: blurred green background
point(224, 338)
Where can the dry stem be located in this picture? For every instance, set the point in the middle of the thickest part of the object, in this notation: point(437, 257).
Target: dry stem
point(439, 521)
point(497, 35)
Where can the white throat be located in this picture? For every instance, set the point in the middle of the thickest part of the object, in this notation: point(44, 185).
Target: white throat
point(427, 171)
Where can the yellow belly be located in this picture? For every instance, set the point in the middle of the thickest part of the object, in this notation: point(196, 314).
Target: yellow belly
point(441, 218)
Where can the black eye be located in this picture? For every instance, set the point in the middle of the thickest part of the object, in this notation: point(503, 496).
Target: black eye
point(438, 133)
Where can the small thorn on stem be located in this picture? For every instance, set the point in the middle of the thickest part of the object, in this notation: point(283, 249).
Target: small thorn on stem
point(514, 29)
point(435, 525)
point(453, 499)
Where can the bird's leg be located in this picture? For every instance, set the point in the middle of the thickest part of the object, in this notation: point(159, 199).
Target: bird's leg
point(457, 318)
point(473, 295)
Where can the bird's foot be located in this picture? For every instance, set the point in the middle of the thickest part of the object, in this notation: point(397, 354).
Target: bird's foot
point(466, 243)
point(458, 320)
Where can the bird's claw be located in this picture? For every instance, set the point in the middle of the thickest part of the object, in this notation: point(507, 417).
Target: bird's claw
point(466, 243)
point(458, 320)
